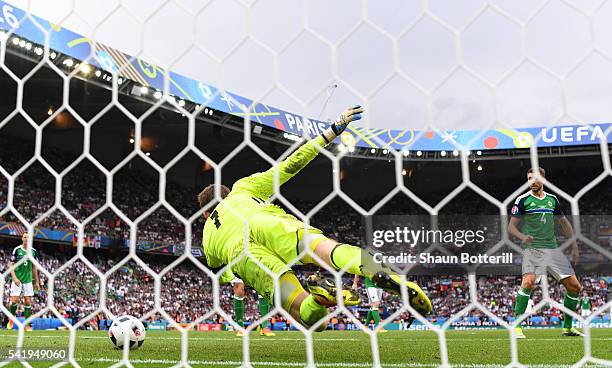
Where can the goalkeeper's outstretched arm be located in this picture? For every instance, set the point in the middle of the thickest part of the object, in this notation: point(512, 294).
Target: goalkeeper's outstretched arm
point(262, 184)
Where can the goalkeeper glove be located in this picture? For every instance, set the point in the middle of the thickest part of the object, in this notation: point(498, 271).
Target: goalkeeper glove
point(349, 115)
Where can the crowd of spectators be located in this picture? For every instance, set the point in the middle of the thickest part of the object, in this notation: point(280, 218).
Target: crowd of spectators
point(134, 191)
point(186, 295)
point(84, 191)
point(185, 291)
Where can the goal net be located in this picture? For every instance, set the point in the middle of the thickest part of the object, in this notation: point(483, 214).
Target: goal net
point(105, 144)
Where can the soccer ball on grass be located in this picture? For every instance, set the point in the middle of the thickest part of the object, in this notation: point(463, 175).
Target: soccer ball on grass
point(127, 329)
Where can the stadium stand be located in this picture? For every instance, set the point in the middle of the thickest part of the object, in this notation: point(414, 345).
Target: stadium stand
point(186, 291)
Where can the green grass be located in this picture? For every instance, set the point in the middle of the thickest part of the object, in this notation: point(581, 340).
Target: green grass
point(397, 348)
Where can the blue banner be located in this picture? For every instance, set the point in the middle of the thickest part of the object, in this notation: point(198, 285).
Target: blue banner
point(94, 241)
point(44, 323)
point(140, 71)
point(62, 236)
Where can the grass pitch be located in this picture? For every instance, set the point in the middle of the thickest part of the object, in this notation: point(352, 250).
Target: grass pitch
point(331, 349)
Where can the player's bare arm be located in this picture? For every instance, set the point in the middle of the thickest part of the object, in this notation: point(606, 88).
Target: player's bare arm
point(568, 231)
point(11, 266)
point(35, 277)
point(514, 231)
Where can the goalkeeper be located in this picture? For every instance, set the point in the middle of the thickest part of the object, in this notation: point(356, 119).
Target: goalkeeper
point(275, 238)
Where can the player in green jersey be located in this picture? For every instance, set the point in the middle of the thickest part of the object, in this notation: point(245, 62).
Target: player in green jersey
point(374, 299)
point(22, 275)
point(536, 212)
point(586, 306)
point(245, 219)
point(239, 295)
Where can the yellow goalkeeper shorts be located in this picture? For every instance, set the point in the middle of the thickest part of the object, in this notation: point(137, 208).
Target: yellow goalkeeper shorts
point(274, 239)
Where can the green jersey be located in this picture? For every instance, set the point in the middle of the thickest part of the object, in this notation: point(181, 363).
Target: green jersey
point(537, 218)
point(368, 283)
point(226, 230)
point(24, 270)
point(585, 303)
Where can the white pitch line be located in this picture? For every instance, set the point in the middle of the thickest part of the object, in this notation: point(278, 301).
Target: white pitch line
point(332, 365)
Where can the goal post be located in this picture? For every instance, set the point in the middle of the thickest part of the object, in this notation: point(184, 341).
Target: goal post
point(429, 68)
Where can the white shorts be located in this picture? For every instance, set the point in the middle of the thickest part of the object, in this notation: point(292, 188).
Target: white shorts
point(585, 312)
point(374, 294)
point(28, 289)
point(547, 260)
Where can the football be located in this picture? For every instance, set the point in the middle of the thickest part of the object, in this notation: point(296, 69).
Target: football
point(127, 328)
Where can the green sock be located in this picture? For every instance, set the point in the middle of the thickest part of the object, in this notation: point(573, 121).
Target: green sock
point(13, 309)
point(522, 299)
point(570, 301)
point(368, 317)
point(311, 311)
point(376, 316)
point(263, 310)
point(239, 311)
point(27, 311)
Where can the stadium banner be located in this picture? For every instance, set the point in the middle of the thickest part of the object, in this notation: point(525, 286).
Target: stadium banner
point(111, 60)
point(149, 246)
point(153, 247)
point(203, 327)
point(95, 241)
point(158, 325)
point(476, 323)
point(279, 326)
point(44, 323)
point(467, 323)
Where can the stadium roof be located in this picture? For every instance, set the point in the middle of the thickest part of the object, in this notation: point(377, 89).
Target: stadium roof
point(557, 40)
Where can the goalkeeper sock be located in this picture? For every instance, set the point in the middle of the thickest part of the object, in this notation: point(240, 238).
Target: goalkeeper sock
point(27, 311)
point(13, 309)
point(356, 261)
point(311, 311)
point(522, 299)
point(263, 310)
point(375, 316)
point(239, 310)
point(570, 301)
point(347, 257)
point(343, 256)
point(368, 317)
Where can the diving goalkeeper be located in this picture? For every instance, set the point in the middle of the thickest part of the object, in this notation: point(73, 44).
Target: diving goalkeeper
point(275, 238)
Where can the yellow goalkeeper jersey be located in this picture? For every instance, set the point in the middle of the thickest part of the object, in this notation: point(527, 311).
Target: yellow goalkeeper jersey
point(225, 231)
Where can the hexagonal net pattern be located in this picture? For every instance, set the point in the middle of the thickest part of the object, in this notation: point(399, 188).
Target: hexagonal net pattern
point(429, 73)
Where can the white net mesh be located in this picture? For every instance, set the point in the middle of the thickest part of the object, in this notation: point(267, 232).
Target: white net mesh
point(439, 83)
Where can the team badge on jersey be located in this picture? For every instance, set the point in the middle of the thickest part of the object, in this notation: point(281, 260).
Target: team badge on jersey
point(514, 210)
